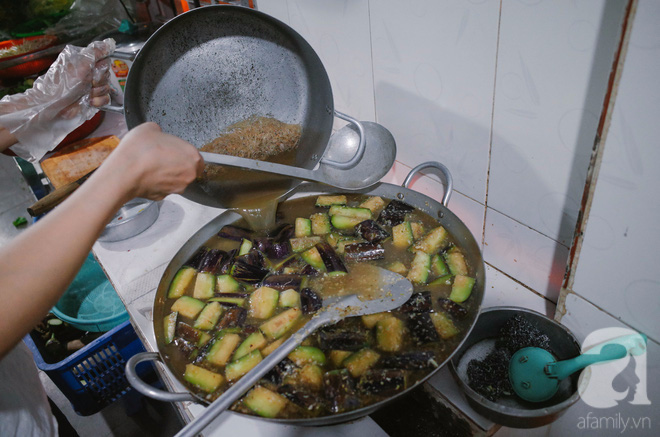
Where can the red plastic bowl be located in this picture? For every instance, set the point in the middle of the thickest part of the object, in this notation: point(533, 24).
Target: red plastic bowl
point(30, 67)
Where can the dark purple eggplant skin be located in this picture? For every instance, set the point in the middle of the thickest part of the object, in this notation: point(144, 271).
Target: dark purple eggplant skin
point(421, 328)
point(410, 361)
point(418, 303)
point(371, 231)
point(234, 317)
point(330, 258)
point(225, 267)
point(383, 382)
point(343, 339)
point(309, 271)
point(340, 393)
point(187, 332)
point(456, 310)
point(186, 347)
point(235, 233)
point(195, 261)
point(212, 261)
point(272, 248)
point(281, 369)
point(310, 301)
point(284, 233)
point(363, 252)
point(250, 268)
point(303, 398)
point(282, 282)
point(394, 213)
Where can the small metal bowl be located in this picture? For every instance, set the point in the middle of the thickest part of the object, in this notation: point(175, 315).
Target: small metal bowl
point(134, 217)
point(513, 411)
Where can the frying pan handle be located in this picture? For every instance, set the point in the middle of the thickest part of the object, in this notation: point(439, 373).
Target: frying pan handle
point(144, 388)
point(361, 146)
point(445, 172)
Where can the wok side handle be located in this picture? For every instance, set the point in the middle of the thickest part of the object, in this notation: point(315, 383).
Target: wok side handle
point(144, 388)
point(361, 146)
point(443, 169)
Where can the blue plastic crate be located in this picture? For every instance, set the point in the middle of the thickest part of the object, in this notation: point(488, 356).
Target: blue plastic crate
point(93, 377)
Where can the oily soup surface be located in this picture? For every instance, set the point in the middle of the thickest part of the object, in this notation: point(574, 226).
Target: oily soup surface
point(358, 361)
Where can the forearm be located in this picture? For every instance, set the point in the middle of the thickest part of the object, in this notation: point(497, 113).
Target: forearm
point(37, 266)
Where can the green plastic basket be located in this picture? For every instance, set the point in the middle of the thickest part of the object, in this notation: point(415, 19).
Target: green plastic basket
point(91, 303)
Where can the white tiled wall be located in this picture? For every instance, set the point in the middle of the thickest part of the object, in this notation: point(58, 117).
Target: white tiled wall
point(506, 93)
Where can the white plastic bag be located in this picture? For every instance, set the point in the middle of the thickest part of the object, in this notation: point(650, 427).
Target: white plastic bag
point(58, 102)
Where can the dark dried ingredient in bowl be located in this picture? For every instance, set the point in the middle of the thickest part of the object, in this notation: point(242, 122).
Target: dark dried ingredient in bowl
point(490, 376)
point(518, 333)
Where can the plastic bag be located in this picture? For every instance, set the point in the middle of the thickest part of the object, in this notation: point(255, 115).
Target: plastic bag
point(58, 102)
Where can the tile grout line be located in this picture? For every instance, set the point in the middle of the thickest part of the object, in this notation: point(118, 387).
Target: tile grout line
point(492, 123)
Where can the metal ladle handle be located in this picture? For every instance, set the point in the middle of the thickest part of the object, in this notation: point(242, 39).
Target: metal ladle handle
point(443, 169)
point(361, 145)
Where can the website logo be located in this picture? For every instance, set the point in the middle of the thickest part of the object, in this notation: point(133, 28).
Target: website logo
point(597, 382)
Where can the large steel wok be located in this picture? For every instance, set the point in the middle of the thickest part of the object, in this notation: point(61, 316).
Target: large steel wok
point(215, 66)
point(453, 224)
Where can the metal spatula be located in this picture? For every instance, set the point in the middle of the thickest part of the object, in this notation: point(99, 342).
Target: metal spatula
point(394, 291)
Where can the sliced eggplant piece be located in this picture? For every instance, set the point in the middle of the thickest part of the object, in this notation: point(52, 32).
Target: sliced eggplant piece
point(343, 339)
point(420, 302)
point(421, 327)
point(410, 360)
point(310, 301)
point(224, 267)
point(234, 317)
point(330, 259)
point(394, 213)
point(195, 261)
point(364, 252)
point(340, 393)
point(187, 332)
point(212, 260)
point(383, 382)
point(284, 233)
point(457, 311)
point(302, 397)
point(282, 282)
point(371, 231)
point(282, 369)
point(244, 270)
point(235, 233)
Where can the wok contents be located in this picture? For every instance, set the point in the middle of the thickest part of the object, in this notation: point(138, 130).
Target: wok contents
point(490, 376)
point(244, 292)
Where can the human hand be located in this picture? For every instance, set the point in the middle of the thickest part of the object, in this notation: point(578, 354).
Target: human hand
point(152, 164)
